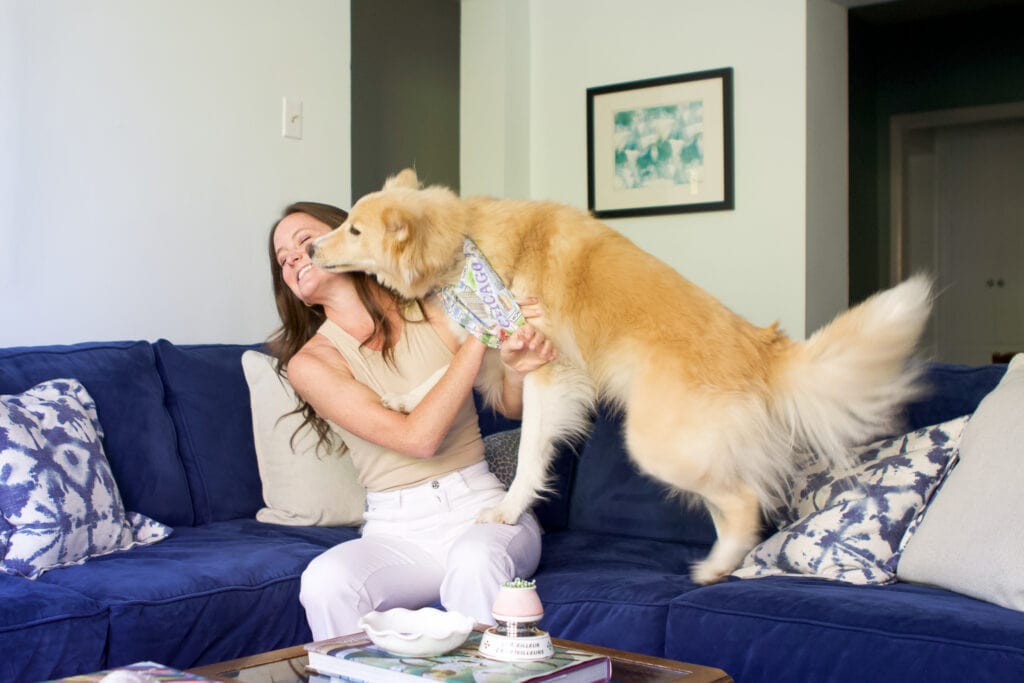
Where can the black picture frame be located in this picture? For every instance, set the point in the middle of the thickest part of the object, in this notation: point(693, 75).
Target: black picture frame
point(661, 145)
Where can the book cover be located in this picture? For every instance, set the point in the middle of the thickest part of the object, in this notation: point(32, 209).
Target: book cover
point(152, 670)
point(355, 658)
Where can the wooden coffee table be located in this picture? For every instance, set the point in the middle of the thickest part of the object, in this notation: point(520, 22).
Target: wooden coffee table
point(288, 665)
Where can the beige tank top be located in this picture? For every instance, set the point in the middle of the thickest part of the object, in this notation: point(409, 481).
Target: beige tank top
point(418, 355)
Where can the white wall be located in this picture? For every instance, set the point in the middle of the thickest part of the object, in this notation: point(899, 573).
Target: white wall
point(143, 163)
point(7, 138)
point(755, 257)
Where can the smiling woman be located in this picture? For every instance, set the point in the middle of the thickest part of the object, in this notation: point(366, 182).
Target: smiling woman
point(345, 342)
point(294, 234)
point(299, 319)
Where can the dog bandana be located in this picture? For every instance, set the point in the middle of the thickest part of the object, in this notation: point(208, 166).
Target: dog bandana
point(480, 302)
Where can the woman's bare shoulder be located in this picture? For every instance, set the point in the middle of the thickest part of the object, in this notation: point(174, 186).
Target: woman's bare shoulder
point(318, 355)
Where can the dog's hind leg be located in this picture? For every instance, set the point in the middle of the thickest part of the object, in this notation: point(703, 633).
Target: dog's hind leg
point(737, 517)
point(684, 439)
point(681, 461)
point(557, 401)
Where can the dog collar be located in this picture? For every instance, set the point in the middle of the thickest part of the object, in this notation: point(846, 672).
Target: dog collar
point(480, 302)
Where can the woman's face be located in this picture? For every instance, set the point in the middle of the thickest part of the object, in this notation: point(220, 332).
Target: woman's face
point(291, 237)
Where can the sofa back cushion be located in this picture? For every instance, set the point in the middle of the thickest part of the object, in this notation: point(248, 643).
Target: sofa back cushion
point(208, 400)
point(139, 438)
point(951, 391)
point(610, 495)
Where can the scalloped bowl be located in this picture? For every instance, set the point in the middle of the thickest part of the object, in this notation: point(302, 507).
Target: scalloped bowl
point(425, 632)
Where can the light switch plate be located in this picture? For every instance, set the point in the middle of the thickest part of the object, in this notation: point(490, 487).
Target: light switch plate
point(291, 124)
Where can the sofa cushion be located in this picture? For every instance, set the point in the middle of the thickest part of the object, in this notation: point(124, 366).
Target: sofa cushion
point(302, 484)
point(208, 400)
point(971, 540)
point(139, 437)
point(47, 631)
point(59, 503)
point(206, 594)
point(492, 421)
point(806, 629)
point(951, 391)
point(849, 525)
point(612, 590)
point(610, 495)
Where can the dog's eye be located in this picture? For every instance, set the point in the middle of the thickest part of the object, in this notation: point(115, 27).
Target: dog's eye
point(354, 230)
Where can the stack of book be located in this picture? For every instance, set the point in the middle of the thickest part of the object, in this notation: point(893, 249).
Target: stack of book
point(355, 658)
point(139, 671)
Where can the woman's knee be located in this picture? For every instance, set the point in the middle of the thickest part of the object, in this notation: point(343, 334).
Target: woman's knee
point(511, 551)
point(480, 558)
point(326, 580)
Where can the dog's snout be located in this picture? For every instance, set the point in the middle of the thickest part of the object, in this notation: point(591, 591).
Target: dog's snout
point(311, 249)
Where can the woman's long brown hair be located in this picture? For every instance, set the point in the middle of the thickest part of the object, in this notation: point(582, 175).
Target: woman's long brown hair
point(300, 322)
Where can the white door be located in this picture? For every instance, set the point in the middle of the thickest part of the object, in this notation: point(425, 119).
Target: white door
point(965, 223)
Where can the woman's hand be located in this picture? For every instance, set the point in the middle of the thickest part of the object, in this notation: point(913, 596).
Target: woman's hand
point(528, 349)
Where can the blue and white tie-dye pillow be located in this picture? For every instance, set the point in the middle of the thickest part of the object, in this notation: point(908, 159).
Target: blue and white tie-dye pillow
point(59, 504)
point(850, 526)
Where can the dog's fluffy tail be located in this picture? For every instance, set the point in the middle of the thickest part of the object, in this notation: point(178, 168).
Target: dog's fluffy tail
point(846, 384)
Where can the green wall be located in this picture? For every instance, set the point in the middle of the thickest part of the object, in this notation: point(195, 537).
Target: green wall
point(405, 91)
point(967, 60)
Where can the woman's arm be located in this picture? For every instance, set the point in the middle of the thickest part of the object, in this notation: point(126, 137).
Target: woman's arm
point(320, 375)
point(526, 351)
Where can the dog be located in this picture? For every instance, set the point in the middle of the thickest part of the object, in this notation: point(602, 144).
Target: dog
point(712, 405)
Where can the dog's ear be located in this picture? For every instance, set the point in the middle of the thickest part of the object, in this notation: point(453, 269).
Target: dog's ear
point(404, 179)
point(396, 223)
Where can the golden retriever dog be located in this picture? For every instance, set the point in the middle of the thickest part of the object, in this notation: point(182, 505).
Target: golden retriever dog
point(712, 404)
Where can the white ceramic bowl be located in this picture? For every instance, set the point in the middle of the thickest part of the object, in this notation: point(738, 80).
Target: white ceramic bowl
point(425, 632)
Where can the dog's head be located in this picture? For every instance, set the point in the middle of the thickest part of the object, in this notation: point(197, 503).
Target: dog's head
point(409, 237)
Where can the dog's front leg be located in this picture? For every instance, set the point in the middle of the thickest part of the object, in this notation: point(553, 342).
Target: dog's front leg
point(557, 401)
point(404, 403)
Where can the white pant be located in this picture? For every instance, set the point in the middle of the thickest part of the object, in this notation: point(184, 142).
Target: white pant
point(420, 544)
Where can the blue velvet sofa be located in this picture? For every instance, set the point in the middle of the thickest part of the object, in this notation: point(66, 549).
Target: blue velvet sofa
point(614, 571)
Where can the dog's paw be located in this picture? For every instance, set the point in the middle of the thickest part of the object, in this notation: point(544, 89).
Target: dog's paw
point(707, 571)
point(498, 515)
point(404, 403)
point(398, 402)
point(458, 331)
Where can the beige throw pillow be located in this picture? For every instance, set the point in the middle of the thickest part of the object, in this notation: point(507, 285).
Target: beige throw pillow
point(971, 540)
point(301, 487)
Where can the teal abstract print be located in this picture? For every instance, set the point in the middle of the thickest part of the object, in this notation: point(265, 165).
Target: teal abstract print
point(659, 145)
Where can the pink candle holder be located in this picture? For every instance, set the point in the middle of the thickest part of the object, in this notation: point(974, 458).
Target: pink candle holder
point(517, 605)
point(517, 610)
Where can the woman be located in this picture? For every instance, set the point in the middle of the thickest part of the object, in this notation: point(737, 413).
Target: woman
point(345, 341)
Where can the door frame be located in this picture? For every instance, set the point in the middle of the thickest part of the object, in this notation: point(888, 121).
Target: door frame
point(900, 128)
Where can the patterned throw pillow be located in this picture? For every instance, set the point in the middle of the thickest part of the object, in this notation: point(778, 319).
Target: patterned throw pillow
point(850, 526)
point(59, 504)
point(501, 451)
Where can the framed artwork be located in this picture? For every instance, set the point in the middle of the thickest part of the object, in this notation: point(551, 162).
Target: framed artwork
point(662, 145)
